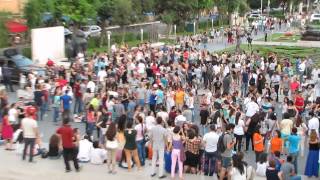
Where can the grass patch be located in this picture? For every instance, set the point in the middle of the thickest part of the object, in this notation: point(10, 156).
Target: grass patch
point(282, 52)
point(280, 37)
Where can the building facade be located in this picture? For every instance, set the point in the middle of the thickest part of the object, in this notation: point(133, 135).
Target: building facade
point(13, 6)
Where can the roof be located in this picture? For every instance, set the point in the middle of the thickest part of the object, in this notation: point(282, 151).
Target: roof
point(15, 27)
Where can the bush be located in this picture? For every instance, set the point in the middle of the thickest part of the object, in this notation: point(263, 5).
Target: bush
point(27, 52)
point(4, 35)
point(93, 42)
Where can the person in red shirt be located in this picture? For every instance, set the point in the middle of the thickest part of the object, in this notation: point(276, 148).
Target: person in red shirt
point(62, 81)
point(294, 85)
point(66, 137)
point(299, 102)
point(78, 98)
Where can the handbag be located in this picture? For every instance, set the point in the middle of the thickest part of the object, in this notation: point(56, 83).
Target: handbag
point(112, 144)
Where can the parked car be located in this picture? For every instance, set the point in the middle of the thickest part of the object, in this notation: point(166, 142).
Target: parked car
point(19, 63)
point(67, 32)
point(91, 31)
point(315, 17)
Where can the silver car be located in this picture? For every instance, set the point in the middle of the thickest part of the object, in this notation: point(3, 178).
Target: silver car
point(91, 31)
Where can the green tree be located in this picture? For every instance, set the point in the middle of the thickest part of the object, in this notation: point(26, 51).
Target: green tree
point(227, 7)
point(104, 11)
point(175, 11)
point(32, 12)
point(122, 15)
point(4, 35)
point(78, 10)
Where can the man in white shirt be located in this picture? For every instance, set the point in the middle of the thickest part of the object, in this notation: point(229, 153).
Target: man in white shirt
point(163, 114)
point(210, 141)
point(180, 119)
point(102, 74)
point(91, 85)
point(313, 123)
point(85, 148)
point(30, 131)
point(251, 108)
point(98, 155)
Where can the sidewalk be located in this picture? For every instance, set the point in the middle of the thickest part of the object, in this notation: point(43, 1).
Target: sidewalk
point(220, 43)
point(310, 44)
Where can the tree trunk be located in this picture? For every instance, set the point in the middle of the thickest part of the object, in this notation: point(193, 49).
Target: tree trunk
point(290, 7)
point(103, 33)
point(169, 27)
point(123, 34)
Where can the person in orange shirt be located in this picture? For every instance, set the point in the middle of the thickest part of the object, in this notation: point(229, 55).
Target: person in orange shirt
point(179, 98)
point(276, 142)
point(258, 143)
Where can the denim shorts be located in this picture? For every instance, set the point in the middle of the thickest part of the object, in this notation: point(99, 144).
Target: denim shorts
point(226, 162)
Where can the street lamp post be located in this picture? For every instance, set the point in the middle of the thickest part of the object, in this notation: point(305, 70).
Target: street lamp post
point(194, 28)
point(261, 6)
point(141, 31)
point(211, 23)
point(175, 31)
point(109, 37)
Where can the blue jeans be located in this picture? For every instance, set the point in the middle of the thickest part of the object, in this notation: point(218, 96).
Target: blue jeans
point(41, 111)
point(295, 178)
point(295, 161)
point(244, 89)
point(90, 128)
point(55, 114)
point(78, 104)
point(141, 151)
point(141, 102)
point(192, 110)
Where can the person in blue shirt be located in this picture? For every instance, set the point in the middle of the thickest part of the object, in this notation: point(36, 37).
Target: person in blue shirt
point(66, 103)
point(294, 141)
point(160, 96)
point(153, 100)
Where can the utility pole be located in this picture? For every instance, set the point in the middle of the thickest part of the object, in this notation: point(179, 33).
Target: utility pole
point(261, 7)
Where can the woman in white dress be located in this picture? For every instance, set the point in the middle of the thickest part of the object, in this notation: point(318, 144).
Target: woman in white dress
point(170, 99)
point(238, 170)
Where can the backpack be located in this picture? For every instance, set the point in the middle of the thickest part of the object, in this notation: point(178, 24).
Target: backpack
point(252, 81)
point(221, 146)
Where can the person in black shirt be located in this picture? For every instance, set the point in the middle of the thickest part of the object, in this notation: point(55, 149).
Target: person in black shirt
point(54, 152)
point(6, 75)
point(272, 172)
point(38, 99)
point(244, 86)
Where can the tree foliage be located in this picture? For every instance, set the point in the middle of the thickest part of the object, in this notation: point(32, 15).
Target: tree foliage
point(175, 11)
point(32, 12)
point(78, 10)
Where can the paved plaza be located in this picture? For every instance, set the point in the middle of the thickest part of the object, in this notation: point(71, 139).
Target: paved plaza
point(13, 168)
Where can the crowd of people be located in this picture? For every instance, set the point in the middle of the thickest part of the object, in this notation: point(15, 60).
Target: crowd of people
point(187, 110)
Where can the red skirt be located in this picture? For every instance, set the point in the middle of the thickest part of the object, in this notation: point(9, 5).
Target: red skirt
point(7, 132)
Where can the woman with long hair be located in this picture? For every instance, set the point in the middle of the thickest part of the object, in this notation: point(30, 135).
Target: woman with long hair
point(192, 144)
point(276, 142)
point(262, 165)
point(111, 146)
point(54, 149)
point(302, 130)
point(177, 147)
point(7, 130)
point(312, 164)
point(258, 143)
point(141, 129)
point(56, 104)
point(91, 120)
point(238, 131)
point(239, 170)
point(130, 147)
